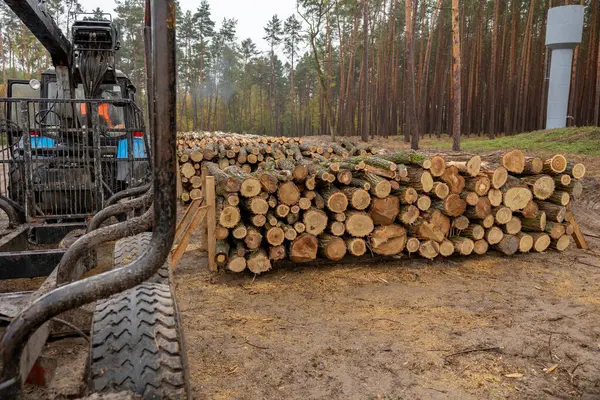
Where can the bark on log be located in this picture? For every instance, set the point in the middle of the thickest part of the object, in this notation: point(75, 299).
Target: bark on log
point(553, 212)
point(537, 224)
point(509, 245)
point(332, 247)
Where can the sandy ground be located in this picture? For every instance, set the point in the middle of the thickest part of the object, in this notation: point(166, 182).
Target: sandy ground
point(478, 327)
point(522, 327)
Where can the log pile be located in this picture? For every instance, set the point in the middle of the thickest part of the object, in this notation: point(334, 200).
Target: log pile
point(281, 199)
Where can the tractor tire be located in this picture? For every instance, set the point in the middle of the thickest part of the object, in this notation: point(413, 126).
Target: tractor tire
point(137, 345)
point(130, 248)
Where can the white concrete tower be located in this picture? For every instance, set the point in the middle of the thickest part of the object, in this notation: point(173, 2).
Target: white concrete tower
point(563, 33)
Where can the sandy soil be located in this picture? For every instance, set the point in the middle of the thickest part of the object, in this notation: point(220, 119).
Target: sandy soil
point(519, 327)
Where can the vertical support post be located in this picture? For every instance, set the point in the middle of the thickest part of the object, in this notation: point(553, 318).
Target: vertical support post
point(204, 225)
point(98, 190)
point(211, 222)
point(23, 122)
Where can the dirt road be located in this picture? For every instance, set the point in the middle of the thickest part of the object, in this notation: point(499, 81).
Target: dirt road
point(480, 327)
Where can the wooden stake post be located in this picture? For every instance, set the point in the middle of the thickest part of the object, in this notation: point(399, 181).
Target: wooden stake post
point(199, 212)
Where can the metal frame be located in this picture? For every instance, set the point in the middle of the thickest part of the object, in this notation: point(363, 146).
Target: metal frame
point(54, 302)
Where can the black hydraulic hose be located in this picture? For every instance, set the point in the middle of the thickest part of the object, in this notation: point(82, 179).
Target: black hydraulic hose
point(13, 217)
point(104, 285)
point(131, 192)
point(120, 208)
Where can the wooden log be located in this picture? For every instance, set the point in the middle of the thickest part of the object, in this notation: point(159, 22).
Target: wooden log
point(253, 238)
point(555, 165)
point(425, 230)
point(514, 161)
point(533, 165)
point(563, 180)
point(555, 230)
point(470, 166)
point(195, 194)
point(495, 196)
point(561, 244)
point(493, 235)
point(502, 215)
point(258, 262)
point(576, 170)
point(288, 194)
point(452, 206)
point(406, 195)
point(513, 226)
point(196, 182)
point(531, 210)
point(440, 190)
point(188, 170)
point(236, 263)
point(541, 241)
point(282, 210)
point(358, 198)
point(304, 203)
point(423, 202)
point(553, 212)
point(473, 231)
point(537, 224)
point(542, 186)
point(336, 228)
point(335, 200)
point(379, 187)
point(341, 217)
point(344, 176)
point(268, 181)
point(360, 183)
point(517, 198)
point(455, 181)
point(408, 214)
point(429, 249)
point(221, 233)
point(559, 197)
point(439, 220)
point(462, 245)
point(304, 248)
point(509, 245)
point(412, 245)
point(525, 242)
point(421, 180)
point(223, 182)
point(497, 175)
point(480, 185)
point(299, 227)
point(315, 221)
point(275, 236)
point(384, 211)
point(290, 233)
point(358, 224)
point(388, 240)
point(480, 247)
point(575, 189)
point(488, 221)
point(277, 253)
point(332, 247)
point(239, 231)
point(481, 210)
point(438, 165)
point(249, 185)
point(460, 223)
point(221, 252)
point(356, 246)
point(446, 248)
point(256, 205)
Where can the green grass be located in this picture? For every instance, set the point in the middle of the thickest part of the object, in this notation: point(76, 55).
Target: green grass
point(585, 140)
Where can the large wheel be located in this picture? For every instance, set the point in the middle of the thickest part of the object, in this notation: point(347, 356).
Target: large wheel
point(130, 248)
point(137, 344)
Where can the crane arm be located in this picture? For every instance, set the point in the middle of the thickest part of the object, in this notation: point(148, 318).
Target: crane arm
point(39, 22)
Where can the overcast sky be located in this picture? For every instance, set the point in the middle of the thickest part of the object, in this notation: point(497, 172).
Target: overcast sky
point(252, 15)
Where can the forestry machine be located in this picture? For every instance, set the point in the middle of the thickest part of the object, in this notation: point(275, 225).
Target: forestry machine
point(78, 170)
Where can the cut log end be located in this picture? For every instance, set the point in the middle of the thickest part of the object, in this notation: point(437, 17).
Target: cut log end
point(356, 246)
point(388, 240)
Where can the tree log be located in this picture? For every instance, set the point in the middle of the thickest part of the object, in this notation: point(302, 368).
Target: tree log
point(356, 246)
point(258, 262)
point(358, 224)
point(304, 248)
point(384, 211)
point(509, 245)
point(388, 240)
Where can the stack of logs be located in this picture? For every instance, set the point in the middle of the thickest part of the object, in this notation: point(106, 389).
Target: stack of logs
point(278, 198)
